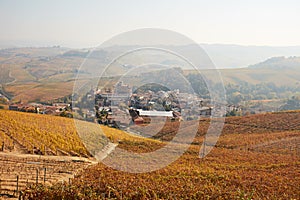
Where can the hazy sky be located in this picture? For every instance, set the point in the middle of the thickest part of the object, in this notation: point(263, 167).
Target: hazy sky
point(84, 23)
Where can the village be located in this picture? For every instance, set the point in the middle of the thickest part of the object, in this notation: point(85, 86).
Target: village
point(61, 109)
point(120, 106)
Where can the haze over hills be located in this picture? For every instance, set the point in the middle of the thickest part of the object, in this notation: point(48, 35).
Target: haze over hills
point(236, 56)
point(223, 55)
point(277, 63)
point(277, 70)
point(33, 74)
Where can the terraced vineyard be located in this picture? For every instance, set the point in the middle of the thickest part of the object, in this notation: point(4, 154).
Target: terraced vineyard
point(20, 171)
point(237, 131)
point(28, 133)
point(281, 121)
point(255, 158)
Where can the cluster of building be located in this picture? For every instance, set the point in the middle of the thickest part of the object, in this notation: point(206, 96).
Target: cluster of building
point(140, 116)
point(113, 97)
point(54, 109)
point(120, 106)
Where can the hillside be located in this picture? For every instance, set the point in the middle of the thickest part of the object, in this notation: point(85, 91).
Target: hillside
point(256, 157)
point(34, 74)
point(51, 135)
point(277, 63)
point(42, 74)
point(255, 129)
point(54, 135)
point(281, 74)
point(283, 77)
point(238, 56)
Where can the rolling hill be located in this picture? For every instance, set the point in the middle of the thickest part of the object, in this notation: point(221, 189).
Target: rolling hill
point(26, 133)
point(42, 74)
point(256, 157)
point(278, 63)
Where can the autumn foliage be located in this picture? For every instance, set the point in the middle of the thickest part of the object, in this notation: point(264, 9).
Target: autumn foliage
point(256, 157)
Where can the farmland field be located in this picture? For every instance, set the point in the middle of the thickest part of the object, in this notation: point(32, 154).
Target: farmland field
point(24, 132)
point(256, 157)
point(19, 171)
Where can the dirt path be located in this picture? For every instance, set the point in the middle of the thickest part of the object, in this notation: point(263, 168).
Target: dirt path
point(57, 169)
point(110, 147)
point(54, 158)
point(17, 147)
point(14, 79)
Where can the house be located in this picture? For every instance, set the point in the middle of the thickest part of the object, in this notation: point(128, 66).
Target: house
point(61, 106)
point(50, 110)
point(14, 107)
point(154, 113)
point(75, 109)
point(205, 111)
point(139, 120)
point(231, 107)
point(122, 89)
point(140, 116)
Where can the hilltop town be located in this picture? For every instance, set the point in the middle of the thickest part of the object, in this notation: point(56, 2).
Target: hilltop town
point(120, 106)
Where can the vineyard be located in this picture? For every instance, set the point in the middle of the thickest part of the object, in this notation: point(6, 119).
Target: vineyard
point(19, 172)
point(60, 144)
point(50, 135)
point(256, 157)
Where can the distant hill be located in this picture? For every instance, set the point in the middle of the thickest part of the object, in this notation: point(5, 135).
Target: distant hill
point(279, 77)
point(237, 56)
point(223, 56)
point(277, 63)
point(281, 71)
point(42, 74)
